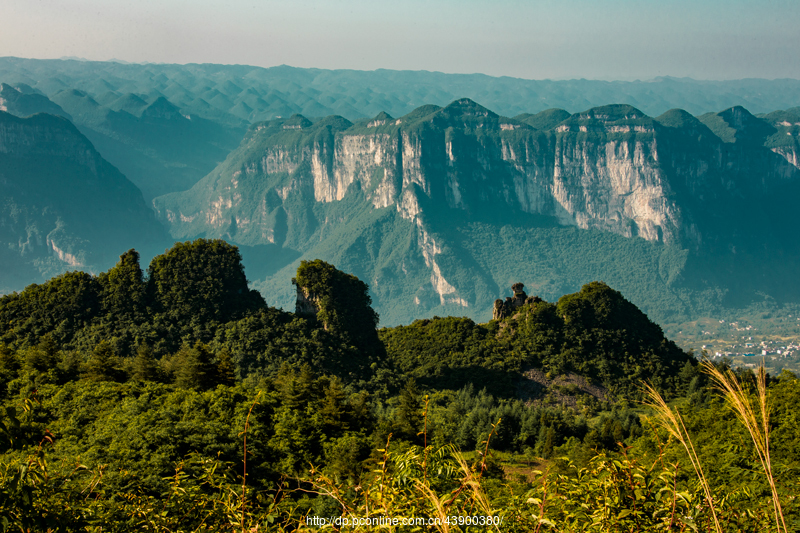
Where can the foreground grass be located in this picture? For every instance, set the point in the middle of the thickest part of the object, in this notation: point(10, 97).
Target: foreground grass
point(438, 488)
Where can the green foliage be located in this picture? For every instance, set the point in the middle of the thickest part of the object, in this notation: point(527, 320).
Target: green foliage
point(137, 432)
point(595, 333)
point(200, 282)
point(103, 364)
point(225, 369)
point(408, 417)
point(60, 307)
point(343, 301)
point(194, 367)
point(151, 446)
point(144, 366)
point(123, 290)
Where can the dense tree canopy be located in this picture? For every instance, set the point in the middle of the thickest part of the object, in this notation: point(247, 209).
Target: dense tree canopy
point(200, 281)
point(344, 306)
point(146, 382)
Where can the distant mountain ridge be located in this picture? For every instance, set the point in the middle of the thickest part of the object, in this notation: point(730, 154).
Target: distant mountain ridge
point(237, 93)
point(156, 146)
point(210, 106)
point(441, 209)
point(403, 202)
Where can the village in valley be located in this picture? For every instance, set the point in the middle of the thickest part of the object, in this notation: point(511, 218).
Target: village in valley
point(771, 337)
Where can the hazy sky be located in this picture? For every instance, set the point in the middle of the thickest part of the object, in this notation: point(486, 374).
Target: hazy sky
point(611, 39)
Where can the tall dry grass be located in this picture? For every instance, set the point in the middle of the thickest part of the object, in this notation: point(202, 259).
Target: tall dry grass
point(672, 421)
point(753, 412)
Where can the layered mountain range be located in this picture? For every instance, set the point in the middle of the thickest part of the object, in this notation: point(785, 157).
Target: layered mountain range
point(439, 209)
point(166, 126)
point(426, 206)
point(156, 145)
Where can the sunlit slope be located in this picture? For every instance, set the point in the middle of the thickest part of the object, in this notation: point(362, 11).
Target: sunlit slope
point(442, 208)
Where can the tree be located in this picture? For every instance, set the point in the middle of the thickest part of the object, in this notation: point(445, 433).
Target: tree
point(226, 370)
point(103, 364)
point(144, 366)
point(195, 367)
point(333, 409)
point(408, 418)
point(123, 289)
point(297, 390)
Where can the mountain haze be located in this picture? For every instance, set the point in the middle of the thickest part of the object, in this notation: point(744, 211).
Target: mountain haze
point(236, 93)
point(441, 209)
point(154, 144)
point(63, 206)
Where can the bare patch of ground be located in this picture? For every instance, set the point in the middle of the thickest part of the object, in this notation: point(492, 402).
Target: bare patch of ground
point(535, 388)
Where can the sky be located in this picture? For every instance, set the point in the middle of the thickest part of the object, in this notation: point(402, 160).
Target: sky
point(599, 39)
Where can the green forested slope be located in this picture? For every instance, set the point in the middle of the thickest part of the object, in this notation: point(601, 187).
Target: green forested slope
point(154, 432)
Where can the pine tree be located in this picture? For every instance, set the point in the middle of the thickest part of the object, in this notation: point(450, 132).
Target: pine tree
point(103, 364)
point(297, 389)
point(145, 367)
point(408, 419)
point(195, 368)
point(226, 371)
point(333, 409)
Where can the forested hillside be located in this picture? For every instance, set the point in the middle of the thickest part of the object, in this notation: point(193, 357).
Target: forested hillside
point(138, 400)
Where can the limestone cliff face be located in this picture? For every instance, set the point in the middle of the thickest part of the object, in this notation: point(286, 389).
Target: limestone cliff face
point(610, 168)
point(790, 153)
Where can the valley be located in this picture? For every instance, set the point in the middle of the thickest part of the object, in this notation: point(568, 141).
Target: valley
point(454, 267)
point(663, 208)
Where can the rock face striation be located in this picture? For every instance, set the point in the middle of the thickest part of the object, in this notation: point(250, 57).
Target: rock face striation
point(307, 303)
point(670, 180)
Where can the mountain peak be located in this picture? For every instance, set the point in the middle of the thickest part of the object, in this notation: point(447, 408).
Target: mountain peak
point(129, 102)
point(678, 118)
point(380, 119)
point(544, 120)
point(612, 113)
point(736, 125)
point(161, 108)
point(466, 107)
point(737, 117)
point(296, 122)
point(23, 104)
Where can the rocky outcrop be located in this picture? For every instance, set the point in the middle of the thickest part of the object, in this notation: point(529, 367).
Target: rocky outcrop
point(505, 308)
point(307, 303)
